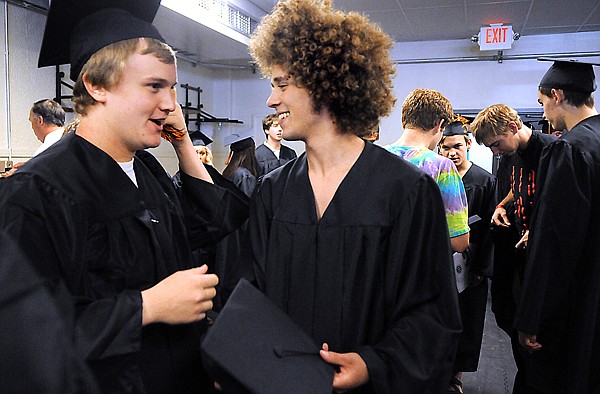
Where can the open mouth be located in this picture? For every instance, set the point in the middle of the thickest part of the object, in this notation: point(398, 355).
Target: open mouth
point(283, 115)
point(158, 122)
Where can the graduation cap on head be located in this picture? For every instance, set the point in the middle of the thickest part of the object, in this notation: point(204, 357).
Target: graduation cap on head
point(76, 29)
point(571, 75)
point(458, 126)
point(255, 345)
point(240, 141)
point(199, 138)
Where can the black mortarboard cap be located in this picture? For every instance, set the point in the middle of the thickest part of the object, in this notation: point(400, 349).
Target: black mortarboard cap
point(570, 75)
point(199, 138)
point(456, 128)
point(258, 346)
point(76, 29)
point(240, 141)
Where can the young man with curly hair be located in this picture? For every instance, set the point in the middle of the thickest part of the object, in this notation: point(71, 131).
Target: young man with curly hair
point(272, 154)
point(366, 269)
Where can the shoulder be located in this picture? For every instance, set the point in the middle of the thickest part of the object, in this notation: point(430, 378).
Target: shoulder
point(261, 148)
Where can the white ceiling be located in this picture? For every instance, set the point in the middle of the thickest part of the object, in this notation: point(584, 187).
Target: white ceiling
point(404, 20)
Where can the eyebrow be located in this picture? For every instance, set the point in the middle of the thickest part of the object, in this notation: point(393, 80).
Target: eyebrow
point(278, 80)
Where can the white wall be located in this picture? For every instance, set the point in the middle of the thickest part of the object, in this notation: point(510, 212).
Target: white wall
point(241, 94)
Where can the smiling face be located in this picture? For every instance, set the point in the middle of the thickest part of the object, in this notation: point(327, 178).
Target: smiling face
point(455, 148)
point(294, 106)
point(136, 108)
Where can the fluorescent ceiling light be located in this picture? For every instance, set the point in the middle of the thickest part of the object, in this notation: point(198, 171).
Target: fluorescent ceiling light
point(209, 18)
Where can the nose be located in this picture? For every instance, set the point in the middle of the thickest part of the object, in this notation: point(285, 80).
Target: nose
point(168, 101)
point(273, 100)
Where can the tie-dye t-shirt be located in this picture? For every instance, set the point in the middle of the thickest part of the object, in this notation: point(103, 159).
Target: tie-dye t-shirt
point(445, 174)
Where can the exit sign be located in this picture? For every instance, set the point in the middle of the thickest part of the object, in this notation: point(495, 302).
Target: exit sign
point(495, 37)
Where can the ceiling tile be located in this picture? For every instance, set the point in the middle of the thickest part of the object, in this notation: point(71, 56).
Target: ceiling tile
point(426, 22)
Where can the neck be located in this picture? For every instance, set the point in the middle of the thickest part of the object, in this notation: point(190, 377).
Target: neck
point(333, 152)
point(574, 115)
point(464, 167)
point(416, 138)
point(524, 134)
point(274, 144)
point(95, 132)
point(49, 130)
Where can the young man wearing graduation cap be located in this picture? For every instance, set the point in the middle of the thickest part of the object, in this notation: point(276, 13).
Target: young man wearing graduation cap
point(480, 188)
point(349, 240)
point(100, 216)
point(558, 313)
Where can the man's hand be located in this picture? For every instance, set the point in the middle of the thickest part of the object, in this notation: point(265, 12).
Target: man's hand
point(529, 342)
point(183, 297)
point(522, 244)
point(174, 129)
point(499, 218)
point(353, 370)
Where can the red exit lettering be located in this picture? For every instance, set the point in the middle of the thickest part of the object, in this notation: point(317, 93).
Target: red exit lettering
point(495, 35)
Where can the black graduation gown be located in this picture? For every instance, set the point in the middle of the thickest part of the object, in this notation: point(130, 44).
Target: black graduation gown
point(480, 187)
point(227, 265)
point(373, 276)
point(267, 161)
point(36, 341)
point(560, 296)
point(83, 220)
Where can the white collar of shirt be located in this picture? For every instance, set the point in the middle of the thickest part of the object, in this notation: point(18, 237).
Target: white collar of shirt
point(51, 138)
point(275, 152)
point(127, 167)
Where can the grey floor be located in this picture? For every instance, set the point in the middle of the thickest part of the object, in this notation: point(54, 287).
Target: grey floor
point(497, 369)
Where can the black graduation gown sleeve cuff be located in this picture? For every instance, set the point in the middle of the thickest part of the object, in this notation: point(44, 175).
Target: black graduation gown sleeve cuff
point(211, 211)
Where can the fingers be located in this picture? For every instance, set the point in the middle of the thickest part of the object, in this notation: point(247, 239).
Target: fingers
point(183, 297)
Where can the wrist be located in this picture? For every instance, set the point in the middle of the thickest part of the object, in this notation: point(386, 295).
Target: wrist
point(500, 206)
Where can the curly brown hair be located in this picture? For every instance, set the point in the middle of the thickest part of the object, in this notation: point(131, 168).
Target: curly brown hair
point(341, 59)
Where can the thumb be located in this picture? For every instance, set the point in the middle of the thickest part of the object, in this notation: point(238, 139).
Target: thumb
point(201, 270)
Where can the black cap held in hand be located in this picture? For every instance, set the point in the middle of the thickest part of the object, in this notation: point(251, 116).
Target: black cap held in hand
point(76, 29)
point(255, 347)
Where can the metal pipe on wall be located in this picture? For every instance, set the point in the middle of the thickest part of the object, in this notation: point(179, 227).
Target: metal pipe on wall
point(7, 82)
point(495, 58)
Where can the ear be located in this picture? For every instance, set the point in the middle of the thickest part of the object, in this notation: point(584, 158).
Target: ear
point(512, 126)
point(98, 93)
point(40, 120)
point(558, 95)
point(469, 145)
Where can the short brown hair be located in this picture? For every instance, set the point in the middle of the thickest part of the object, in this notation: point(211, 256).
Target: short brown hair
point(105, 67)
point(493, 121)
point(268, 121)
point(341, 59)
point(576, 99)
point(425, 108)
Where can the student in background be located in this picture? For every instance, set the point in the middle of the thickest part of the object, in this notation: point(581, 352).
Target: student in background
point(480, 187)
point(500, 128)
point(47, 120)
point(558, 316)
point(272, 154)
